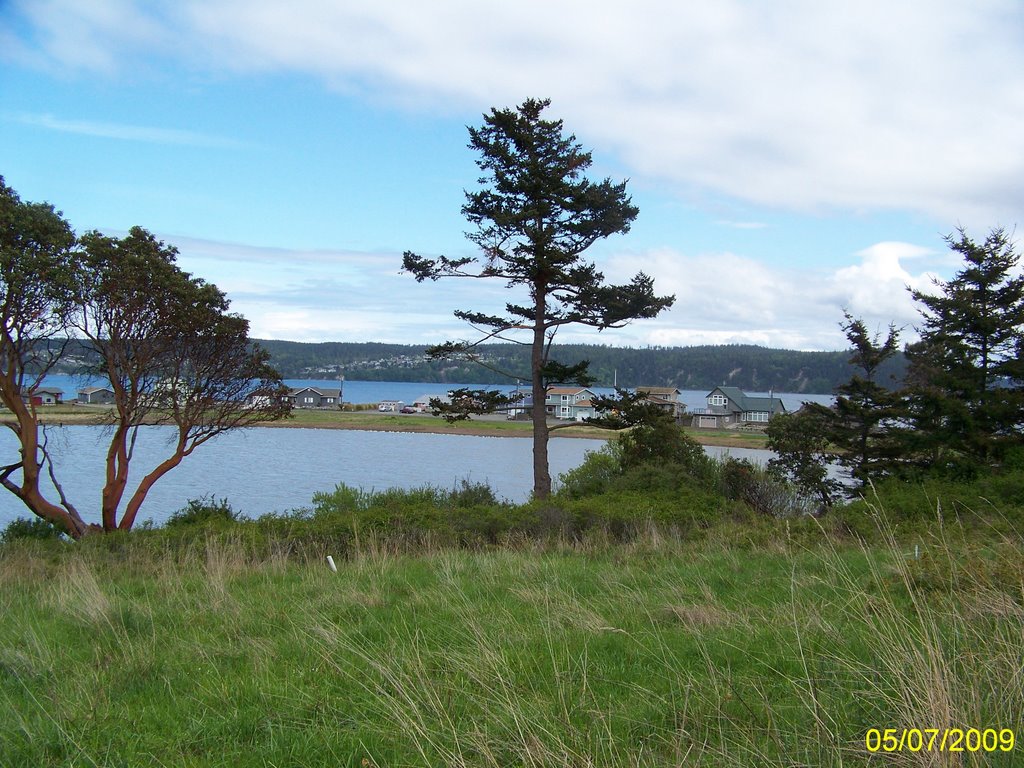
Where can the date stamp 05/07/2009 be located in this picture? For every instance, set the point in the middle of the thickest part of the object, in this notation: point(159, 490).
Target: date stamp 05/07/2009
point(940, 740)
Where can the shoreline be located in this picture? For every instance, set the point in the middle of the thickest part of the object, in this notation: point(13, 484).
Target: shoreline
point(373, 421)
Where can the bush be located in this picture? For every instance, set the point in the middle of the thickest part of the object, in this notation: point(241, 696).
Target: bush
point(202, 511)
point(761, 489)
point(594, 476)
point(662, 442)
point(35, 528)
point(992, 503)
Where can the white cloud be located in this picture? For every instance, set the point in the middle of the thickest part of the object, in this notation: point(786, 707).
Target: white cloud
point(120, 131)
point(794, 104)
point(878, 286)
point(721, 298)
point(731, 299)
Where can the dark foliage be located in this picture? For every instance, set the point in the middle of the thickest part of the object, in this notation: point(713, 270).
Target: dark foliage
point(533, 217)
point(202, 511)
point(36, 528)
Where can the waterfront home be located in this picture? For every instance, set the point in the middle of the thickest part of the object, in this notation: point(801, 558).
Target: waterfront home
point(42, 396)
point(314, 397)
point(422, 403)
point(575, 403)
point(665, 398)
point(96, 396)
point(730, 407)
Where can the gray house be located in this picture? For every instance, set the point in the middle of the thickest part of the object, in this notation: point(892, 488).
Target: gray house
point(665, 398)
point(96, 396)
point(575, 403)
point(314, 397)
point(730, 407)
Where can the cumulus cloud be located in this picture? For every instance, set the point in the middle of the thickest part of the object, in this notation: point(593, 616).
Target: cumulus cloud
point(793, 104)
point(725, 298)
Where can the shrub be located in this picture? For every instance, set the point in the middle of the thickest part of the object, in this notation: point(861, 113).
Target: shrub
point(201, 511)
point(761, 489)
point(594, 476)
point(36, 528)
point(662, 442)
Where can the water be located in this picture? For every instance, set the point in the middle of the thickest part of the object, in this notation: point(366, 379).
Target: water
point(263, 470)
point(375, 391)
point(267, 469)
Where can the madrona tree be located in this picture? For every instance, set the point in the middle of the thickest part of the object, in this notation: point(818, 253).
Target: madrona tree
point(38, 285)
point(172, 352)
point(534, 216)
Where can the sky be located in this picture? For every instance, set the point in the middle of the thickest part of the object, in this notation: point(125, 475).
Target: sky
point(791, 159)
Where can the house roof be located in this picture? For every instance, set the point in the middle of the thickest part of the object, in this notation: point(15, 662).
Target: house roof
point(566, 390)
point(322, 391)
point(42, 391)
point(659, 391)
point(662, 400)
point(427, 399)
point(745, 402)
point(93, 390)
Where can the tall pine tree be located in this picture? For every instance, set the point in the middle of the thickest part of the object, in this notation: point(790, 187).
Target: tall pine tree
point(535, 215)
point(966, 376)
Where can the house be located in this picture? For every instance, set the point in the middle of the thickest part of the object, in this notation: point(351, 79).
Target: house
point(575, 403)
point(730, 407)
point(665, 398)
point(422, 403)
point(390, 406)
point(42, 396)
point(96, 396)
point(314, 397)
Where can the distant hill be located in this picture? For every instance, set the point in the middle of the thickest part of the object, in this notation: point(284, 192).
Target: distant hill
point(749, 367)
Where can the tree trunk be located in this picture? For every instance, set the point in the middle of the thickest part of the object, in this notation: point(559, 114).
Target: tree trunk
point(116, 476)
point(135, 502)
point(28, 436)
point(541, 473)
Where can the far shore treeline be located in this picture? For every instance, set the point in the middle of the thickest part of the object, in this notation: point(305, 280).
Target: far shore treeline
point(750, 367)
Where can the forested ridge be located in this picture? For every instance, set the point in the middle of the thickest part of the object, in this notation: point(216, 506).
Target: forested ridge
point(750, 367)
point(746, 366)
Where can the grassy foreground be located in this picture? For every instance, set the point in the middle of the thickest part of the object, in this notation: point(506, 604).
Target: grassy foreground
point(659, 651)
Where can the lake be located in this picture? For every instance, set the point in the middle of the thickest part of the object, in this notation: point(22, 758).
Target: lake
point(261, 470)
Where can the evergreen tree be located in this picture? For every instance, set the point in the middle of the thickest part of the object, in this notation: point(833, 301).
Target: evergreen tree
point(534, 216)
point(861, 431)
point(966, 373)
point(803, 453)
point(865, 420)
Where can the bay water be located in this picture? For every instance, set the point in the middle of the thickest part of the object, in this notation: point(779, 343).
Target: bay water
point(277, 469)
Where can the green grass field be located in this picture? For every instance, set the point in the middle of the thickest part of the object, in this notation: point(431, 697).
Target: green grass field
point(659, 651)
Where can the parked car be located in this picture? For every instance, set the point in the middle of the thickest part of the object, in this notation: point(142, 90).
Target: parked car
point(408, 409)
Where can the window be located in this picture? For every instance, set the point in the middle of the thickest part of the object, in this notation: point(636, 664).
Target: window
point(756, 416)
point(307, 400)
point(718, 400)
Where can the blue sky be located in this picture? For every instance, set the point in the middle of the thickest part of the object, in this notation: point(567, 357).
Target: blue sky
point(790, 159)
